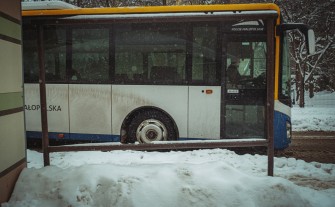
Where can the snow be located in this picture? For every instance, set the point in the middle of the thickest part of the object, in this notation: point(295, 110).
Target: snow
point(317, 115)
point(215, 177)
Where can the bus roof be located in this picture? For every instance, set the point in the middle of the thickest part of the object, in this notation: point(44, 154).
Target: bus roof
point(43, 5)
point(63, 8)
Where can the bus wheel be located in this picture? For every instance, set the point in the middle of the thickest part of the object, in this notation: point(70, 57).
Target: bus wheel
point(151, 126)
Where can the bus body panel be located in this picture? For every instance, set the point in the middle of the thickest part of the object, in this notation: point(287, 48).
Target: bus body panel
point(171, 99)
point(90, 109)
point(204, 112)
point(281, 141)
point(96, 110)
point(57, 107)
point(282, 117)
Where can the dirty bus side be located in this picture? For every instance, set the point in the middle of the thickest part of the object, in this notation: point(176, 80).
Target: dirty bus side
point(152, 77)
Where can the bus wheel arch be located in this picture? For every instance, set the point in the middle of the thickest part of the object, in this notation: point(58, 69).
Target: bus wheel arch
point(156, 123)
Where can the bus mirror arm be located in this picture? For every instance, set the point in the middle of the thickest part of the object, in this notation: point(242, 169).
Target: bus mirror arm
point(304, 29)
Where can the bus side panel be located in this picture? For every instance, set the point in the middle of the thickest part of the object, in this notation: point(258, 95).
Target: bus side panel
point(57, 107)
point(282, 115)
point(171, 99)
point(90, 112)
point(204, 112)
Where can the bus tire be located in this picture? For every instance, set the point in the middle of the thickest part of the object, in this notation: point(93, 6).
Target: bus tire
point(151, 125)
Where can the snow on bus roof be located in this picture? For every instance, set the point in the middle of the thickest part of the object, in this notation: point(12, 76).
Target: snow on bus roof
point(40, 5)
point(47, 8)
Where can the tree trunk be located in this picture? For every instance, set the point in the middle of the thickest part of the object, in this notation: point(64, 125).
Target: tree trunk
point(300, 87)
point(302, 94)
point(297, 82)
point(311, 89)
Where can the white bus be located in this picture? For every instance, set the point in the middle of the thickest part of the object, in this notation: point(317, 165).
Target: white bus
point(158, 73)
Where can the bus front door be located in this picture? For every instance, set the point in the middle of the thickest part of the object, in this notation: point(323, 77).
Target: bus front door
point(244, 88)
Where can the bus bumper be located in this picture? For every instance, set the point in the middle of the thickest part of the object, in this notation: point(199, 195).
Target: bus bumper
point(282, 130)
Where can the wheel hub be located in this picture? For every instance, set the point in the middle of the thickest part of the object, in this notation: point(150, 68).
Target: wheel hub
point(151, 130)
point(151, 134)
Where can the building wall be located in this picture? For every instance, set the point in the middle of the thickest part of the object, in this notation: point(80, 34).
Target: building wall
point(12, 132)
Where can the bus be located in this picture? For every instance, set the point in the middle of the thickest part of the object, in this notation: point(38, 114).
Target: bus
point(158, 73)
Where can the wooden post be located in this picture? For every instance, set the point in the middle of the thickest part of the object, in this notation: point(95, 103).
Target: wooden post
point(43, 102)
point(270, 93)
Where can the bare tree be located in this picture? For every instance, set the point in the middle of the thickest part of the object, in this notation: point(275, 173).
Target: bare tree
point(308, 68)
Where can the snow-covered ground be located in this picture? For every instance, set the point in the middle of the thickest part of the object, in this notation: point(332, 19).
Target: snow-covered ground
point(214, 177)
point(194, 178)
point(318, 114)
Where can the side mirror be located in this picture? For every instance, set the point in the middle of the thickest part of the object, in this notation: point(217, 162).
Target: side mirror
point(308, 33)
point(310, 41)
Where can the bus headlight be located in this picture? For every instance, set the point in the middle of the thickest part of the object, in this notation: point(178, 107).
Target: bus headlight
point(288, 130)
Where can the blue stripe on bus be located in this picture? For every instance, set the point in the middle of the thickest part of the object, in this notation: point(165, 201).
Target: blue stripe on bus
point(88, 137)
point(75, 136)
point(188, 139)
point(281, 140)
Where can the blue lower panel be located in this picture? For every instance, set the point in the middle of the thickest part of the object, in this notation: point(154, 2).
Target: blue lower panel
point(189, 139)
point(86, 137)
point(75, 136)
point(281, 141)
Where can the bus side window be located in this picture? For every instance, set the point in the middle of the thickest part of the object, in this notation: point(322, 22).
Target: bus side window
point(30, 55)
point(163, 73)
point(150, 53)
point(90, 52)
point(204, 64)
point(121, 78)
point(55, 54)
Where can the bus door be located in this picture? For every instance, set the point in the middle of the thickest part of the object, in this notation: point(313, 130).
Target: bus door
point(205, 93)
point(244, 86)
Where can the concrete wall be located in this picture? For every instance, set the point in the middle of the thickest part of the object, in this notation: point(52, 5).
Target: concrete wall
point(12, 133)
